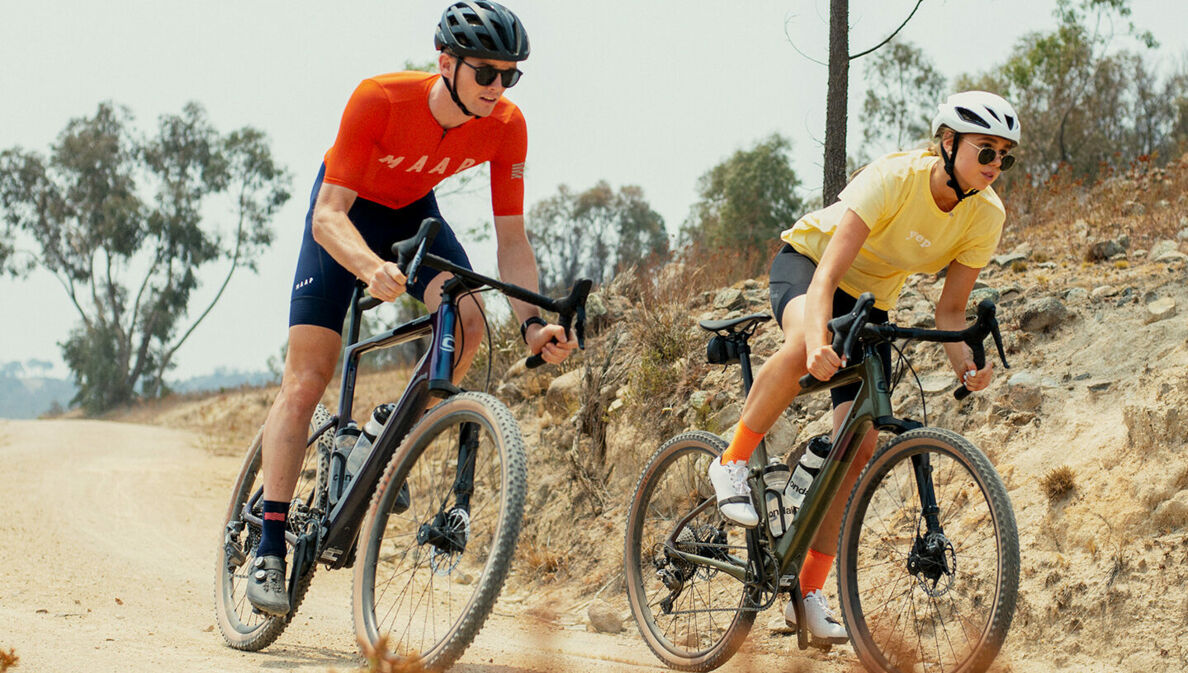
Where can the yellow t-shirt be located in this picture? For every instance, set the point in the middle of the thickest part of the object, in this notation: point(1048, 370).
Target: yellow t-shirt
point(908, 232)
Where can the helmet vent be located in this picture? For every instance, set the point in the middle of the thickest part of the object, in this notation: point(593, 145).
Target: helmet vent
point(971, 117)
point(1010, 122)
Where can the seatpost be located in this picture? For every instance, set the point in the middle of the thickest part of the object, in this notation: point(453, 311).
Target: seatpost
point(744, 359)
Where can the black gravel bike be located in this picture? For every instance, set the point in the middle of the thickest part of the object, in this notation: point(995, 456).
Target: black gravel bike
point(430, 519)
point(928, 560)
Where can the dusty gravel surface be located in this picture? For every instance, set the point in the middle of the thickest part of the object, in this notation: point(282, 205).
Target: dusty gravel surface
point(109, 534)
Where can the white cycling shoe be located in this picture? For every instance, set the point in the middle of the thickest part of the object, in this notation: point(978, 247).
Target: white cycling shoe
point(734, 494)
point(821, 622)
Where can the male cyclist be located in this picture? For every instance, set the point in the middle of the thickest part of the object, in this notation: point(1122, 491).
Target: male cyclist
point(400, 135)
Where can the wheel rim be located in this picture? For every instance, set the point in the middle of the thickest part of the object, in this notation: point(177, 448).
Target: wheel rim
point(695, 621)
point(926, 603)
point(427, 566)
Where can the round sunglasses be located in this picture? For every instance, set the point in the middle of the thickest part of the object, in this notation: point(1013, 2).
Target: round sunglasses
point(485, 74)
point(987, 154)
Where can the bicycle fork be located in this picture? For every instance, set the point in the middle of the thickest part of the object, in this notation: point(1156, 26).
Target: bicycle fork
point(932, 556)
point(450, 529)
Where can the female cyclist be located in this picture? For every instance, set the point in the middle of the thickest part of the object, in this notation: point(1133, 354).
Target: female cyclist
point(905, 213)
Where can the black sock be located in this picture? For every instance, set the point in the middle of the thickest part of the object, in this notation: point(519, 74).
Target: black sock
point(272, 541)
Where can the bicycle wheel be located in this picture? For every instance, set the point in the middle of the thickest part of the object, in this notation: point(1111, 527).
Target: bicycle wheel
point(692, 617)
point(433, 558)
point(916, 600)
point(242, 627)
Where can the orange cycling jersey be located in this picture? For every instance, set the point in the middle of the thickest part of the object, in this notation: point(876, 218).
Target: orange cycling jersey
point(392, 151)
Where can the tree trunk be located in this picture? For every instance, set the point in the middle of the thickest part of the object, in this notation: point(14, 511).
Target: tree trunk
point(836, 101)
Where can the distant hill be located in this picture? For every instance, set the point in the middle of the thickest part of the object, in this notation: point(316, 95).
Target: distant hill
point(32, 397)
point(222, 379)
point(27, 392)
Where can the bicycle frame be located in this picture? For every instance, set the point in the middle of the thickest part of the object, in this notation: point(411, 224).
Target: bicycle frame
point(871, 408)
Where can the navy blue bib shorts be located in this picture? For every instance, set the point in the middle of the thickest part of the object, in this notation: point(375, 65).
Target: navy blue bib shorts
point(322, 287)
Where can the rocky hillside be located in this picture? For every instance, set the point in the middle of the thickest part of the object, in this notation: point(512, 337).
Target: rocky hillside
point(1088, 427)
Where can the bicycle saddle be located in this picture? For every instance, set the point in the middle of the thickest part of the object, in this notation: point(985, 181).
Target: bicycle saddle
point(734, 324)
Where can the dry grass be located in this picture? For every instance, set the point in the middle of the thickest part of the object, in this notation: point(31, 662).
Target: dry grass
point(382, 660)
point(8, 659)
point(1058, 482)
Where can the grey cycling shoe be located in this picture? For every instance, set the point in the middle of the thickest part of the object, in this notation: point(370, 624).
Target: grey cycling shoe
point(266, 586)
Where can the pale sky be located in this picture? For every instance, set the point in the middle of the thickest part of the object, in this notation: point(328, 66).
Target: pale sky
point(648, 93)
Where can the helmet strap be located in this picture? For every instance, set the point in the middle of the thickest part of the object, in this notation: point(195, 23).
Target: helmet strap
point(453, 90)
point(950, 160)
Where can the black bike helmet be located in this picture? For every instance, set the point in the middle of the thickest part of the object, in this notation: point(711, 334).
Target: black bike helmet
point(482, 29)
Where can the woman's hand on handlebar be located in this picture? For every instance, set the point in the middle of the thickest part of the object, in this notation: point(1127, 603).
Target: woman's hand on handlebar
point(823, 363)
point(551, 342)
point(977, 379)
point(386, 282)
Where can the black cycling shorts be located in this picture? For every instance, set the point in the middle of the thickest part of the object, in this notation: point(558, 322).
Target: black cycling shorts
point(322, 287)
point(791, 273)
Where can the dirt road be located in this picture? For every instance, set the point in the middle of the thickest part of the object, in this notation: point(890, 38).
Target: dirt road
point(107, 543)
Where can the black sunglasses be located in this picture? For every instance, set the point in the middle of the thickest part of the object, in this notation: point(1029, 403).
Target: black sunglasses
point(485, 74)
point(986, 157)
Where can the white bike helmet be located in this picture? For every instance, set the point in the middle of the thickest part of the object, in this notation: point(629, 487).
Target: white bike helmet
point(974, 112)
point(978, 112)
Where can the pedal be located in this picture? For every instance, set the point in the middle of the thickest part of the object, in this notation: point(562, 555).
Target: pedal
point(235, 556)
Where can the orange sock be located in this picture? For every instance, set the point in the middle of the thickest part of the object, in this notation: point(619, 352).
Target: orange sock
point(815, 571)
point(744, 443)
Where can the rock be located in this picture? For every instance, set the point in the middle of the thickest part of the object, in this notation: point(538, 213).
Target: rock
point(699, 400)
point(1024, 391)
point(1100, 386)
point(1171, 256)
point(1104, 291)
point(1160, 309)
point(978, 295)
point(1008, 258)
point(509, 392)
point(1163, 204)
point(1041, 314)
point(752, 284)
point(1076, 294)
point(1023, 248)
point(1171, 514)
point(1103, 250)
point(1183, 235)
point(728, 299)
point(603, 618)
point(937, 382)
point(1162, 247)
point(1124, 241)
point(564, 392)
point(781, 438)
point(726, 417)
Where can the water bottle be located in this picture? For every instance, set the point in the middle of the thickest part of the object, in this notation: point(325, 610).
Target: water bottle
point(806, 470)
point(779, 511)
point(344, 444)
point(362, 447)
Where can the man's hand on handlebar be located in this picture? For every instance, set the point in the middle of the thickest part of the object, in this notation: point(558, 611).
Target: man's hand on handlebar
point(386, 282)
point(551, 342)
point(824, 362)
point(976, 379)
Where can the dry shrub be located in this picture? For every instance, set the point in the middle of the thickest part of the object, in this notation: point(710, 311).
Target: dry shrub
point(381, 660)
point(1058, 482)
point(543, 562)
point(8, 659)
point(1043, 214)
